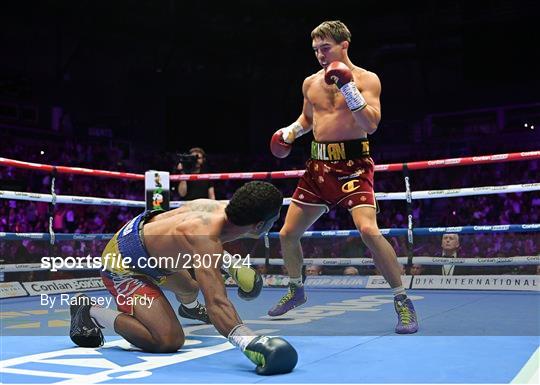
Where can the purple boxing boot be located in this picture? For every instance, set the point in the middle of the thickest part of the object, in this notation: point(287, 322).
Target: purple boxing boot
point(407, 322)
point(294, 298)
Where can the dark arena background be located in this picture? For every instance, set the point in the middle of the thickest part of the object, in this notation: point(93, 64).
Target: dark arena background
point(94, 94)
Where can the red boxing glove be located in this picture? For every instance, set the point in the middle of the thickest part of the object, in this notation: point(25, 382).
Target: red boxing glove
point(278, 146)
point(337, 73)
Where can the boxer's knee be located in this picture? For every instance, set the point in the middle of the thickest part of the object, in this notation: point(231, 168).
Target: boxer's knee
point(288, 235)
point(167, 343)
point(365, 221)
point(369, 230)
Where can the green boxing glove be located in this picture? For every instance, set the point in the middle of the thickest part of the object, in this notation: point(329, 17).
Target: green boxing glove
point(249, 282)
point(272, 355)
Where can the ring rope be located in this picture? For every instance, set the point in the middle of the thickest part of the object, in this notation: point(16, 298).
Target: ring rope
point(53, 199)
point(426, 164)
point(394, 232)
point(381, 196)
point(420, 260)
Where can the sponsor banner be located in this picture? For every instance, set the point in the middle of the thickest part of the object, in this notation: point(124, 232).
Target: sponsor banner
point(63, 286)
point(271, 280)
point(340, 281)
point(378, 282)
point(12, 289)
point(477, 282)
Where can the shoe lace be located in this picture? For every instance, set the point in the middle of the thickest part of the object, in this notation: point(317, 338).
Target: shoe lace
point(201, 310)
point(405, 314)
point(287, 296)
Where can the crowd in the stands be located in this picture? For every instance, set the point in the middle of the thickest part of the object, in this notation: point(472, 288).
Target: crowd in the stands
point(26, 216)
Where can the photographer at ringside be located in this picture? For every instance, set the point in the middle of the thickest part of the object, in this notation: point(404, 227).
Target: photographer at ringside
point(194, 162)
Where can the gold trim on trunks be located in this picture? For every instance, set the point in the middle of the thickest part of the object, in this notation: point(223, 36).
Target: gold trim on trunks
point(339, 150)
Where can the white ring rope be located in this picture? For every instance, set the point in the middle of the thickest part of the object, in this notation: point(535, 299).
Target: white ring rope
point(381, 196)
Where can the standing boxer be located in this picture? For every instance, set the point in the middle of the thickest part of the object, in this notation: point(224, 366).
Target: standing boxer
point(341, 106)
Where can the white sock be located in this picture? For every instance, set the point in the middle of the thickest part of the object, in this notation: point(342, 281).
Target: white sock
point(240, 336)
point(398, 290)
point(104, 317)
point(191, 305)
point(296, 281)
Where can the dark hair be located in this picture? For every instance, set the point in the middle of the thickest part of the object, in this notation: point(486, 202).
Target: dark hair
point(334, 29)
point(199, 150)
point(254, 202)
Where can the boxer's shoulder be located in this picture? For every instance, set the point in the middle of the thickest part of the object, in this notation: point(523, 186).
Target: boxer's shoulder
point(185, 224)
point(205, 205)
point(313, 83)
point(312, 79)
point(364, 76)
point(316, 75)
point(195, 222)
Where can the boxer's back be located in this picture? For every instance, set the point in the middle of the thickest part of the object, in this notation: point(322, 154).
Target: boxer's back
point(175, 231)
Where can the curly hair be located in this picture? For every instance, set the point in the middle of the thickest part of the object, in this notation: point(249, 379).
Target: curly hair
point(254, 202)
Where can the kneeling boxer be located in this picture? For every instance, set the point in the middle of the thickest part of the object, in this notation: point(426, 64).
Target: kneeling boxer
point(197, 228)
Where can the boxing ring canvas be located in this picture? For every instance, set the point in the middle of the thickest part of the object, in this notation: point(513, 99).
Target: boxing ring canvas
point(342, 336)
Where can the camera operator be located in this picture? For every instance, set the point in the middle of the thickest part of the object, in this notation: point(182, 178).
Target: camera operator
point(193, 163)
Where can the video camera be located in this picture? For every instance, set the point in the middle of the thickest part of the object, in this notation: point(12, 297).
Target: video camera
point(189, 161)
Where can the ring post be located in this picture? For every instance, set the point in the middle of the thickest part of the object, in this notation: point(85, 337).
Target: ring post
point(51, 207)
point(410, 226)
